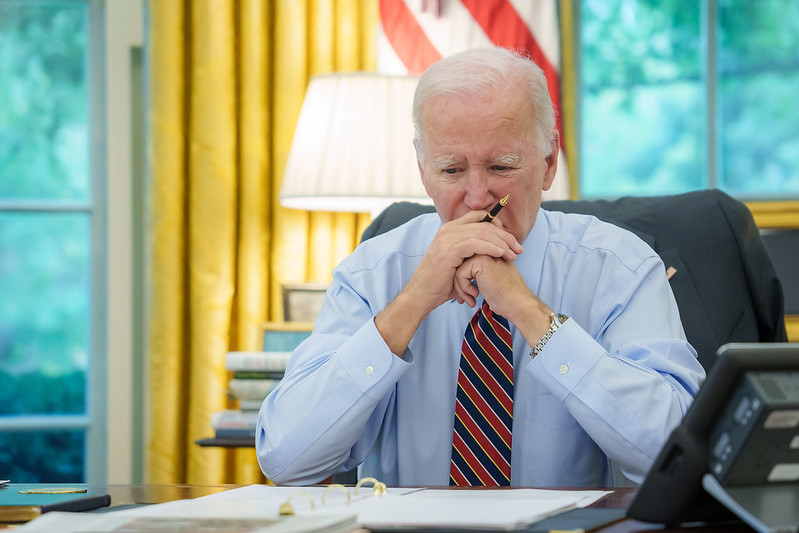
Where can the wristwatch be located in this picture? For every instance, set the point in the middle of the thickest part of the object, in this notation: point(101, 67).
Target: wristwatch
point(557, 320)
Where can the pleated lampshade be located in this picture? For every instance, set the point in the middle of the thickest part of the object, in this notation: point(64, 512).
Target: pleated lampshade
point(353, 147)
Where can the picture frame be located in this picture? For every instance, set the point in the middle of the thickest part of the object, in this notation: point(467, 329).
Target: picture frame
point(303, 301)
point(285, 336)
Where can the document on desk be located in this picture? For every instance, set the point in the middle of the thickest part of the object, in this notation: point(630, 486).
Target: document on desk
point(337, 508)
point(482, 509)
point(408, 508)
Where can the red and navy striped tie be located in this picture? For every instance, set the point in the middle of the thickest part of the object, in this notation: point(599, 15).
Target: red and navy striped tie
point(481, 440)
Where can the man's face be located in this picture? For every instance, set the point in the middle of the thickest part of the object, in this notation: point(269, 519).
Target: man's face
point(478, 149)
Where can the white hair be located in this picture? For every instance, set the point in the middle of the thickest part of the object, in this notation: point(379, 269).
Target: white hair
point(477, 72)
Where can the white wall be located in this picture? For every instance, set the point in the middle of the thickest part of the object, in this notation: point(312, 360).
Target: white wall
point(124, 29)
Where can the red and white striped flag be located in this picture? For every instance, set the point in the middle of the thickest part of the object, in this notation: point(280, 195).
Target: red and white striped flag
point(417, 33)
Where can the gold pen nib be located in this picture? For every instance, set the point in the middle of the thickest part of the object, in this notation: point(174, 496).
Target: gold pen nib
point(504, 201)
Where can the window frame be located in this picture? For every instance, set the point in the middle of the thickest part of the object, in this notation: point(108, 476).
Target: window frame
point(95, 458)
point(93, 422)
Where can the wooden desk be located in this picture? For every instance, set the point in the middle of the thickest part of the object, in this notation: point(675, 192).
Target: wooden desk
point(126, 495)
point(621, 498)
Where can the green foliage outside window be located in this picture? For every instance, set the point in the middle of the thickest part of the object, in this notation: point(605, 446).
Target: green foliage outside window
point(44, 312)
point(43, 100)
point(758, 64)
point(42, 456)
point(45, 235)
point(644, 97)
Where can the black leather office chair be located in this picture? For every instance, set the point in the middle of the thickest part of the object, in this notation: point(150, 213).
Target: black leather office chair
point(725, 285)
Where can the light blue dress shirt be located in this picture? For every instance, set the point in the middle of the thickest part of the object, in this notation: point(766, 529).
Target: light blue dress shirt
point(610, 385)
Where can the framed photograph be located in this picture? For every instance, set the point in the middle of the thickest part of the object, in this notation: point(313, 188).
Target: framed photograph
point(302, 301)
point(285, 336)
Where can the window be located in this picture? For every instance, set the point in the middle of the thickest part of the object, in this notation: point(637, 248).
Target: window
point(678, 96)
point(52, 276)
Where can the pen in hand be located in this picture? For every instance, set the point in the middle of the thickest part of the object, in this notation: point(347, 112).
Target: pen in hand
point(488, 218)
point(494, 210)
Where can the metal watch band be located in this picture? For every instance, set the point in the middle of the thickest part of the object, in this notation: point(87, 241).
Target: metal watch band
point(556, 320)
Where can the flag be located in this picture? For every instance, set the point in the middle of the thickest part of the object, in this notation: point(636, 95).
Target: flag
point(414, 34)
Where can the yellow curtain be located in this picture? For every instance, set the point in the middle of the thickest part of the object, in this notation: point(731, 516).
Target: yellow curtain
point(226, 83)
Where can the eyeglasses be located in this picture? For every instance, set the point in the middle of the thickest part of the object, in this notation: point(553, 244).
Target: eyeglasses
point(378, 489)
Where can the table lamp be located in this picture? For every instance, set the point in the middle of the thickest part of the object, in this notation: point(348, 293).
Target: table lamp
point(353, 147)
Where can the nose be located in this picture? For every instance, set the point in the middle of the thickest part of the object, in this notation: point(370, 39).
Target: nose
point(478, 195)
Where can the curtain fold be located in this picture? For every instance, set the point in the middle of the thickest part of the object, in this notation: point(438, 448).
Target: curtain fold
point(226, 83)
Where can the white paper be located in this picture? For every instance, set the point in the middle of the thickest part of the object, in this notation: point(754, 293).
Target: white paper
point(481, 509)
point(484, 509)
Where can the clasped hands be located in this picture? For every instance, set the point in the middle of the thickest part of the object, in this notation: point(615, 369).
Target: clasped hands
point(466, 250)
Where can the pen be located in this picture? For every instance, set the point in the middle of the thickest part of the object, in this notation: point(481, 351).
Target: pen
point(494, 210)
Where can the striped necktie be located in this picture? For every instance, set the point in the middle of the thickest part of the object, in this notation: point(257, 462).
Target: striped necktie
point(481, 440)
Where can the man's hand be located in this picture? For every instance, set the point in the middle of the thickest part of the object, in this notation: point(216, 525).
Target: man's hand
point(506, 293)
point(433, 281)
point(456, 241)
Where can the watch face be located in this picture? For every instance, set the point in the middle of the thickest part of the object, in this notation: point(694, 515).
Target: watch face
point(561, 318)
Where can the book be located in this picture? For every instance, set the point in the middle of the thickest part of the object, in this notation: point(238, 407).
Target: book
point(223, 433)
point(252, 389)
point(285, 336)
point(22, 502)
point(140, 520)
point(270, 361)
point(258, 374)
point(250, 405)
point(234, 419)
point(291, 524)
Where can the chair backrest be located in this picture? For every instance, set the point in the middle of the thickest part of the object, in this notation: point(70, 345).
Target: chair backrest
point(725, 285)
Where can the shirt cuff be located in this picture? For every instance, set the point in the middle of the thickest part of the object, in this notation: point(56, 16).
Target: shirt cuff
point(370, 364)
point(567, 357)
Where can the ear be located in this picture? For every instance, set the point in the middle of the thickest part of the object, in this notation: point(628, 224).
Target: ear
point(552, 163)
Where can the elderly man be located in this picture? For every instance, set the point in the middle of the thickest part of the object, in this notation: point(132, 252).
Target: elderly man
point(576, 356)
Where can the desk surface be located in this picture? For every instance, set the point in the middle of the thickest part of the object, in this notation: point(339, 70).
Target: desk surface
point(151, 494)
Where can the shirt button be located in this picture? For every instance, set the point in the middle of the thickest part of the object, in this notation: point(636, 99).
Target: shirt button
point(564, 368)
point(370, 370)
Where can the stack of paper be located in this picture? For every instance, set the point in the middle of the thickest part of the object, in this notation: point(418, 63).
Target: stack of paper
point(483, 510)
